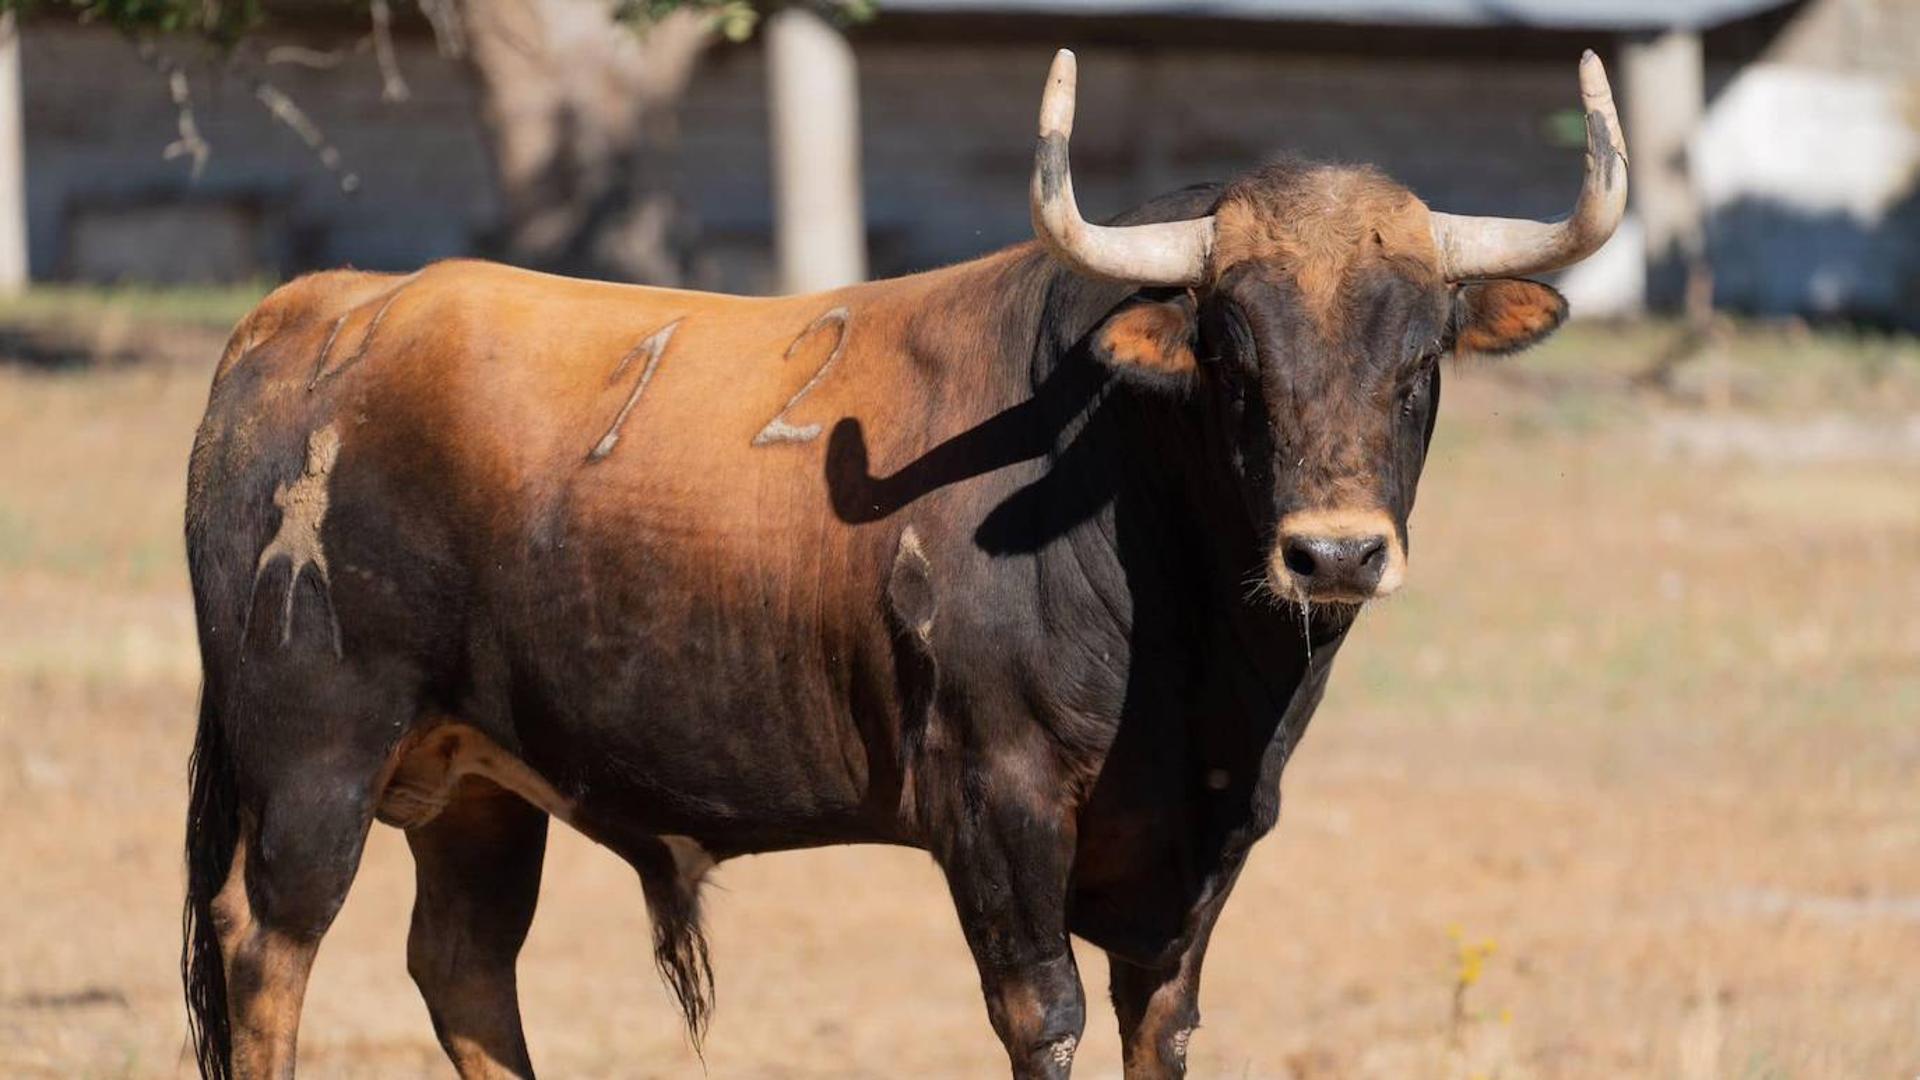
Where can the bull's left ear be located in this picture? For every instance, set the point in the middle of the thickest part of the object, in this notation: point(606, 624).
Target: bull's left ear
point(1151, 340)
point(1505, 315)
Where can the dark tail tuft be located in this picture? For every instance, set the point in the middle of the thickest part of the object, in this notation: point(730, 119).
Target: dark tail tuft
point(212, 834)
point(679, 941)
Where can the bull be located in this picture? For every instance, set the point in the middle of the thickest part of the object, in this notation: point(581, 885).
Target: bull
point(1038, 563)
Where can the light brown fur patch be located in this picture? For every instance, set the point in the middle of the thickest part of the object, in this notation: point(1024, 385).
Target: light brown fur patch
point(427, 769)
point(1325, 224)
point(1152, 336)
point(1508, 315)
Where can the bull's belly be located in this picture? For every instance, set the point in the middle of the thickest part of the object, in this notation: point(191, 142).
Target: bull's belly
point(745, 742)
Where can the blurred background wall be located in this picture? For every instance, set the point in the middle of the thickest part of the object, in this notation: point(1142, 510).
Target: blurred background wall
point(1775, 143)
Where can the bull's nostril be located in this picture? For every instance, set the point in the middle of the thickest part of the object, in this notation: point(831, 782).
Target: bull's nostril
point(1337, 565)
point(1299, 559)
point(1375, 554)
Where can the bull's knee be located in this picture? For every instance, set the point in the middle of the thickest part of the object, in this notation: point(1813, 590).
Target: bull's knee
point(1039, 1011)
point(1158, 1049)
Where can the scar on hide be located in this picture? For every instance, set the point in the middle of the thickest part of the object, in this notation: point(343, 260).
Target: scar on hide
point(1062, 1050)
point(910, 587)
point(778, 429)
point(655, 346)
point(911, 607)
point(321, 372)
point(303, 509)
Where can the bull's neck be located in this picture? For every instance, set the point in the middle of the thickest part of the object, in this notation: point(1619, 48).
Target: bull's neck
point(1143, 544)
point(1110, 484)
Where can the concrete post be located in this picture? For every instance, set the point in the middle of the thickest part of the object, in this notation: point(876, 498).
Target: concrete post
point(13, 173)
point(1665, 90)
point(813, 98)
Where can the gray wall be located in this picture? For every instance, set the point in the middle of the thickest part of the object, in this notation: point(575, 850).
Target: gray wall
point(947, 134)
point(98, 117)
point(946, 143)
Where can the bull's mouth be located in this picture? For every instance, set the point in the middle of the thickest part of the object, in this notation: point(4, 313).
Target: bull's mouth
point(1288, 589)
point(1292, 594)
point(1336, 556)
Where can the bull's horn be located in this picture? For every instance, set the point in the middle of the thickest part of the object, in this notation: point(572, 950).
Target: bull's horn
point(1485, 247)
point(1170, 253)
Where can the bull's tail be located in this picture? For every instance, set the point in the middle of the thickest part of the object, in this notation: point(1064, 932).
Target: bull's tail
point(213, 829)
point(679, 941)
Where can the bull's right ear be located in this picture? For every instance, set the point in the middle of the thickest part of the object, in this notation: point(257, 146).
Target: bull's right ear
point(1151, 341)
point(1505, 315)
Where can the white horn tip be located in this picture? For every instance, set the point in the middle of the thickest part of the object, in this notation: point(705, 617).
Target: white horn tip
point(1593, 79)
point(1056, 103)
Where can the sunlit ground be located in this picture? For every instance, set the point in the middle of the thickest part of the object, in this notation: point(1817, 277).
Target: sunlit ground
point(1646, 721)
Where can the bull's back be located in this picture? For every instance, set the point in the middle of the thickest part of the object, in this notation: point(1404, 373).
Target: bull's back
point(503, 389)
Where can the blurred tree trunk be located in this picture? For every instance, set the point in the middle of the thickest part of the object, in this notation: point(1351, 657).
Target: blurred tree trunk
point(580, 115)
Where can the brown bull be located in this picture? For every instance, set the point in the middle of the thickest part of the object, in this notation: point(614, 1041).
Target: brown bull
point(1038, 563)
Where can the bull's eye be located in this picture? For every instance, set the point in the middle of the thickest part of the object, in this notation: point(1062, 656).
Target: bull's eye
point(1416, 388)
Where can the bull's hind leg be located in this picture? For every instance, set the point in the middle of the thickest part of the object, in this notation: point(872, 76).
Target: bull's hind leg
point(477, 875)
point(308, 739)
point(298, 850)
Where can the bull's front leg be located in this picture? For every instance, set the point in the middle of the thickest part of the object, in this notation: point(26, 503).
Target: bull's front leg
point(1007, 852)
point(1158, 1005)
point(1158, 1009)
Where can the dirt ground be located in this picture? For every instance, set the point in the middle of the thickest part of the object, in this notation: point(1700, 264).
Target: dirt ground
point(1626, 782)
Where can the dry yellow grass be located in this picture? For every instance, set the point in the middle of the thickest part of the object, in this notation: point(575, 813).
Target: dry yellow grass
point(1651, 723)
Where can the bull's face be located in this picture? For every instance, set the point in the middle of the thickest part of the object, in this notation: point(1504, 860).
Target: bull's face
point(1318, 304)
point(1316, 350)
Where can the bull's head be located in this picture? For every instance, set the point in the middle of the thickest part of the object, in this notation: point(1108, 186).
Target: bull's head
point(1318, 303)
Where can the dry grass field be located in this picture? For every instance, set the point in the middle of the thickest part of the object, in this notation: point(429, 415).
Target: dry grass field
point(1625, 783)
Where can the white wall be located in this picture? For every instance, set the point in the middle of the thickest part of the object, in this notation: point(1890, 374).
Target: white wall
point(1809, 181)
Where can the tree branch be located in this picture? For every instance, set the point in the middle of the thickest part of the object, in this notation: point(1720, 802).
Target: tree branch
point(190, 144)
point(393, 87)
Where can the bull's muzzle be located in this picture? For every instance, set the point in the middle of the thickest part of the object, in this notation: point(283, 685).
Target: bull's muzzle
point(1336, 556)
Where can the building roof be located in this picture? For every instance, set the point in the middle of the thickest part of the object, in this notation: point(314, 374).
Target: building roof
point(1610, 15)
